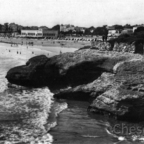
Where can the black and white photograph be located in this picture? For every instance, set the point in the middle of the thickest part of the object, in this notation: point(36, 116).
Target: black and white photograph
point(71, 71)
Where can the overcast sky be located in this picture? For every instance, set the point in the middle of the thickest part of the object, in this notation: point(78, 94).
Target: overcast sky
point(77, 12)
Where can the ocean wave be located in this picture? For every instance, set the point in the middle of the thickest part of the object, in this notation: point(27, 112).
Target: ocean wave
point(24, 114)
point(90, 136)
point(3, 85)
point(56, 108)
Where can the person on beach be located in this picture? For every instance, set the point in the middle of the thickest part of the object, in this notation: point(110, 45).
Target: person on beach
point(60, 52)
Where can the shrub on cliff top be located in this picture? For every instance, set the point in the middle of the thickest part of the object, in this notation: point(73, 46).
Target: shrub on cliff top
point(125, 38)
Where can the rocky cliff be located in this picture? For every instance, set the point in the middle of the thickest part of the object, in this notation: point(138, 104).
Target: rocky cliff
point(111, 81)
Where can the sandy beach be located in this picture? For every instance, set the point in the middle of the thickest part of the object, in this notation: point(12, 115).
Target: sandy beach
point(24, 52)
point(47, 42)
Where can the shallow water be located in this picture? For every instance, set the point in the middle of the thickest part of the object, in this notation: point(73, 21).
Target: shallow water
point(77, 126)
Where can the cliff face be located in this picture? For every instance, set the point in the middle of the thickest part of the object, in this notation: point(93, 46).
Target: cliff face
point(112, 81)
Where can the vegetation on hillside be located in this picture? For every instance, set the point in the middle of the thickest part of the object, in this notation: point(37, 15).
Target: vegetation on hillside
point(137, 37)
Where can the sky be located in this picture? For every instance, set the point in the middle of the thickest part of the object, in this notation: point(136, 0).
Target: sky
point(83, 13)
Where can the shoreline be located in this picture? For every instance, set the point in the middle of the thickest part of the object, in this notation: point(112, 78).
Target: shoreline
point(46, 42)
point(25, 52)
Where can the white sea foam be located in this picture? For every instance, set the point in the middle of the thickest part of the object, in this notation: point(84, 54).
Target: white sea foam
point(27, 112)
point(59, 107)
point(90, 136)
point(3, 85)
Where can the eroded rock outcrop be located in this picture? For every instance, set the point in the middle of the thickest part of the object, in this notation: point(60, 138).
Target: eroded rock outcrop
point(68, 69)
point(123, 97)
point(112, 81)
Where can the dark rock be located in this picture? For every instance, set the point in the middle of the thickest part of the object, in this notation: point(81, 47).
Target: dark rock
point(139, 48)
point(124, 98)
point(68, 69)
point(113, 81)
point(29, 74)
point(87, 91)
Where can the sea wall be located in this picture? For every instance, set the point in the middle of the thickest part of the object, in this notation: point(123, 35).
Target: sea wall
point(134, 47)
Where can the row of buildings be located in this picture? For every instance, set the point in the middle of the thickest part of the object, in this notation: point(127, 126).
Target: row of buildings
point(15, 30)
point(112, 31)
point(50, 33)
point(39, 33)
point(66, 30)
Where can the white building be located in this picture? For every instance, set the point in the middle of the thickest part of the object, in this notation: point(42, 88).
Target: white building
point(127, 31)
point(32, 33)
point(39, 33)
point(66, 28)
point(112, 31)
point(134, 28)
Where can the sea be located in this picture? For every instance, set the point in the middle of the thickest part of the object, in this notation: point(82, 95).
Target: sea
point(33, 116)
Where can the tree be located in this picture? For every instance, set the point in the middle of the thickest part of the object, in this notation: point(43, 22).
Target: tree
point(26, 28)
point(56, 27)
point(99, 31)
point(1, 27)
point(127, 26)
point(43, 27)
point(6, 27)
point(34, 28)
point(117, 27)
point(139, 29)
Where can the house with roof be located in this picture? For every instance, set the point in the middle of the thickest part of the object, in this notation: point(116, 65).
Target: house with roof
point(127, 30)
point(13, 27)
point(91, 29)
point(66, 28)
point(112, 31)
point(40, 33)
point(79, 29)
